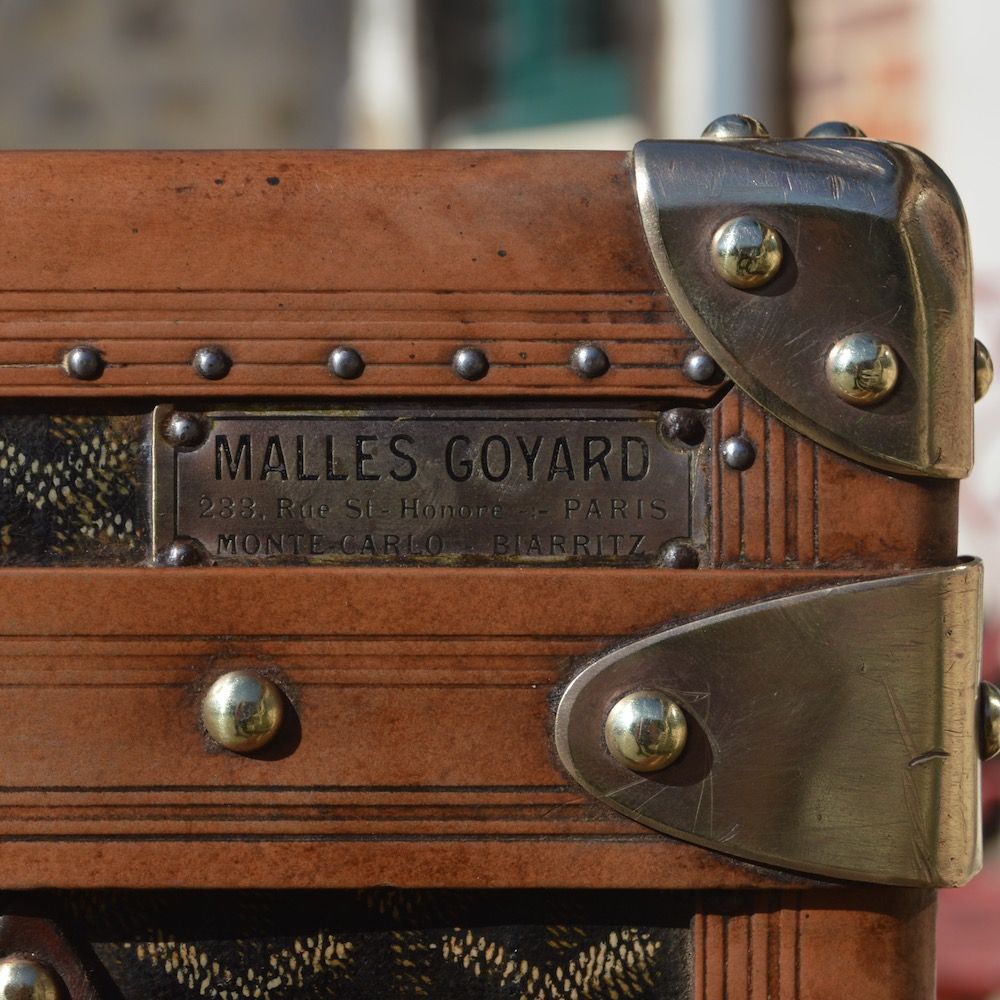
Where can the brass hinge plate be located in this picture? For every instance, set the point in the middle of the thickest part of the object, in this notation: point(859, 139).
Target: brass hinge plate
point(832, 732)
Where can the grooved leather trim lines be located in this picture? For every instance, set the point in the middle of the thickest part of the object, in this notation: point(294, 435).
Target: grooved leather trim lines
point(392, 767)
point(801, 505)
point(278, 257)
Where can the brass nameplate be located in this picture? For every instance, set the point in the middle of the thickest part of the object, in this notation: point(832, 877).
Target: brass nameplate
point(435, 486)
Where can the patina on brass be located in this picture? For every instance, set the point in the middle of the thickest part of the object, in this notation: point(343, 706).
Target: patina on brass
point(645, 730)
point(875, 243)
point(242, 711)
point(435, 485)
point(821, 736)
point(23, 978)
point(862, 370)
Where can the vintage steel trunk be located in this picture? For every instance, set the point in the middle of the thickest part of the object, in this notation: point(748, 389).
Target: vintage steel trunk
point(486, 574)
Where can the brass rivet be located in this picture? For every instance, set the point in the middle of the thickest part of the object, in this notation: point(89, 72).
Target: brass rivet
point(470, 363)
point(83, 363)
point(242, 711)
point(645, 731)
point(700, 367)
point(27, 979)
point(835, 130)
point(862, 369)
point(184, 430)
point(183, 552)
point(346, 363)
point(746, 252)
point(984, 370)
point(679, 554)
point(211, 363)
point(738, 453)
point(989, 720)
point(735, 127)
point(683, 425)
point(589, 361)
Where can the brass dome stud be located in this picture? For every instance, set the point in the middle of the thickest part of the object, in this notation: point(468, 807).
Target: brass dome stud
point(989, 720)
point(242, 711)
point(861, 369)
point(735, 127)
point(983, 370)
point(835, 130)
point(24, 978)
point(747, 253)
point(645, 731)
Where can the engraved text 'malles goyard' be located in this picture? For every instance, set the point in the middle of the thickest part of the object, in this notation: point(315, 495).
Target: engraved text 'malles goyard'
point(441, 487)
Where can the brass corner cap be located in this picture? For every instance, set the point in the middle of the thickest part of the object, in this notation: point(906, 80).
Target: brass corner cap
point(874, 244)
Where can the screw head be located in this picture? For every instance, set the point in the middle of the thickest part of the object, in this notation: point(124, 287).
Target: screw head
point(683, 425)
point(989, 720)
point(699, 366)
point(861, 369)
point(212, 363)
point(835, 130)
point(589, 360)
point(470, 363)
point(184, 430)
point(242, 711)
point(645, 731)
point(27, 979)
point(746, 252)
point(680, 555)
point(346, 363)
point(735, 127)
point(182, 552)
point(984, 370)
point(738, 453)
point(84, 363)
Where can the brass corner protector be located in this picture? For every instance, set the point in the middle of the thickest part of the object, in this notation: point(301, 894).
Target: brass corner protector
point(831, 280)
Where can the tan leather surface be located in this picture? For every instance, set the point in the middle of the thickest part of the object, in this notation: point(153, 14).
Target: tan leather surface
point(861, 942)
point(420, 753)
point(279, 257)
point(418, 731)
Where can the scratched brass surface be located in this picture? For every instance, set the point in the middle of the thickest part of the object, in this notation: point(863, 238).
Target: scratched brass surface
point(831, 732)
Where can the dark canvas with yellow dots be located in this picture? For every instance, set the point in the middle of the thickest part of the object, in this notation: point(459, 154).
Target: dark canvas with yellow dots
point(383, 943)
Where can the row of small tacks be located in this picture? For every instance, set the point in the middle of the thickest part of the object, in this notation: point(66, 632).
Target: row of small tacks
point(469, 363)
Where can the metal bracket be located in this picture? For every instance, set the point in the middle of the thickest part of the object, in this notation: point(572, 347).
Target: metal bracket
point(831, 279)
point(831, 732)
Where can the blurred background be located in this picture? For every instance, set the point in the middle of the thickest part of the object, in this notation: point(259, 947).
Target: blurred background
point(550, 73)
